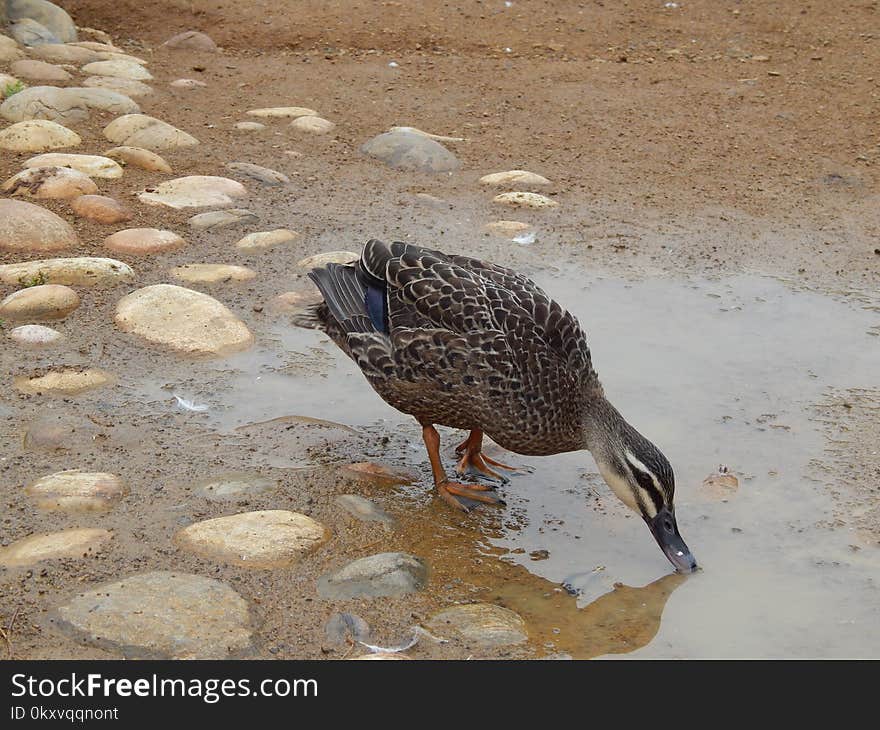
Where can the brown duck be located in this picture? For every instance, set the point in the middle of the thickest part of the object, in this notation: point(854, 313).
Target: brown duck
point(465, 343)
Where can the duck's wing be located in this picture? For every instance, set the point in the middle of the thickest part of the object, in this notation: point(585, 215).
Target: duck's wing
point(428, 289)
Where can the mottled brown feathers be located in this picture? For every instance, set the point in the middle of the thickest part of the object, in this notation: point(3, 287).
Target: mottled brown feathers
point(471, 345)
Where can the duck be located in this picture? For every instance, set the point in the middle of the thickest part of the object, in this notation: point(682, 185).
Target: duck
point(465, 343)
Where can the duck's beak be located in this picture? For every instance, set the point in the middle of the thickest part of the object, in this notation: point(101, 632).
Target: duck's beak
point(665, 532)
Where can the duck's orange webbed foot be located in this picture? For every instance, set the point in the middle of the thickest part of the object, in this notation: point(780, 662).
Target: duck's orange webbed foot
point(465, 496)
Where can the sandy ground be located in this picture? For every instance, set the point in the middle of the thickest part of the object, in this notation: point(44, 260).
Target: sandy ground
point(704, 139)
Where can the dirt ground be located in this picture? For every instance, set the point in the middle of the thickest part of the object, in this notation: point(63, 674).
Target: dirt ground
point(706, 138)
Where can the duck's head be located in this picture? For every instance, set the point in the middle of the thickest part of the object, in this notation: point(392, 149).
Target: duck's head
point(642, 478)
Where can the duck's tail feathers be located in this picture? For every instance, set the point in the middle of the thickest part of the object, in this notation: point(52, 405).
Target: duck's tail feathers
point(344, 296)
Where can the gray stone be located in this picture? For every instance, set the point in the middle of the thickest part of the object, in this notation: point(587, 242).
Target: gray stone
point(233, 486)
point(363, 509)
point(29, 32)
point(261, 174)
point(48, 14)
point(341, 626)
point(192, 40)
point(482, 623)
point(384, 574)
point(409, 151)
point(161, 615)
point(68, 105)
point(222, 218)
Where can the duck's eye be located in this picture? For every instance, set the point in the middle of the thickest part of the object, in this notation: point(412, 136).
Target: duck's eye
point(667, 525)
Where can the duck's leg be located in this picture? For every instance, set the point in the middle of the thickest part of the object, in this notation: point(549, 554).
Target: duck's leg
point(473, 460)
point(460, 496)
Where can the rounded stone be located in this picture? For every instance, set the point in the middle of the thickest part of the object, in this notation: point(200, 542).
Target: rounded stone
point(77, 491)
point(119, 69)
point(75, 543)
point(64, 53)
point(187, 84)
point(384, 574)
point(76, 271)
point(266, 239)
point(100, 208)
point(194, 191)
point(519, 199)
point(437, 137)
point(26, 227)
point(406, 150)
point(67, 381)
point(234, 486)
point(222, 218)
point(69, 105)
point(312, 125)
point(140, 130)
point(91, 165)
point(192, 40)
point(139, 157)
point(50, 183)
point(7, 80)
point(184, 320)
point(161, 615)
point(33, 70)
point(45, 302)
point(249, 126)
point(283, 112)
point(9, 50)
point(36, 136)
point(341, 626)
point(264, 175)
point(481, 623)
point(380, 656)
point(143, 241)
point(129, 87)
point(330, 257)
point(293, 301)
point(514, 177)
point(507, 228)
point(29, 32)
point(363, 509)
point(35, 335)
point(48, 14)
point(212, 273)
point(263, 539)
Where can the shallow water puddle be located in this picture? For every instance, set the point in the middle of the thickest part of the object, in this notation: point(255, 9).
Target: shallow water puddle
point(714, 373)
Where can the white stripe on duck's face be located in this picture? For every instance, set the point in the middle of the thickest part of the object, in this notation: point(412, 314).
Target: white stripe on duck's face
point(620, 485)
point(647, 498)
point(630, 488)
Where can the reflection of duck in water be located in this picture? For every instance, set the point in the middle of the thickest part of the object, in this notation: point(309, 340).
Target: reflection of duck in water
point(465, 343)
point(621, 621)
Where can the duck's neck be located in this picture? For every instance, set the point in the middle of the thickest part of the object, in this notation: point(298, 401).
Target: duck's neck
point(604, 429)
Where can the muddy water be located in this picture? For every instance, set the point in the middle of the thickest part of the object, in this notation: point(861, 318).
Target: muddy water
point(715, 372)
